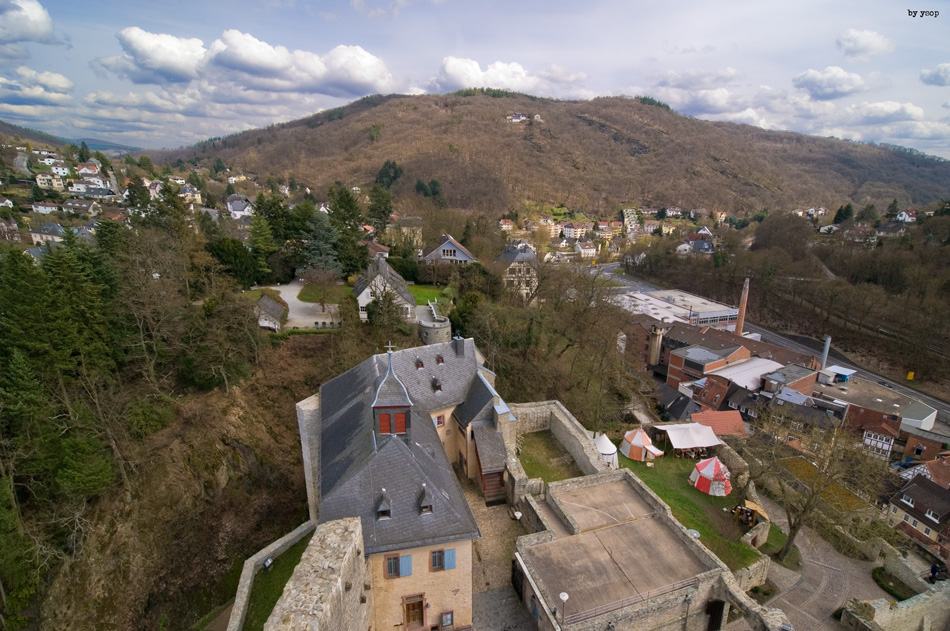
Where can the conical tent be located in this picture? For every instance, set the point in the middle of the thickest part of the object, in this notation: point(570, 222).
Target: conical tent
point(607, 450)
point(711, 477)
point(637, 445)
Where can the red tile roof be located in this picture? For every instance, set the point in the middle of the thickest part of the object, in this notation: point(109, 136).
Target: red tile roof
point(726, 423)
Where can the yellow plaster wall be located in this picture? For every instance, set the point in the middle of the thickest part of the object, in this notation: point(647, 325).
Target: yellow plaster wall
point(447, 590)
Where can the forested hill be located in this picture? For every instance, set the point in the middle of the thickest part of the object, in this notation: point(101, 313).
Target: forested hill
point(595, 156)
point(26, 134)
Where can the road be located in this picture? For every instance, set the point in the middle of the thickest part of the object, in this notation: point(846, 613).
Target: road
point(942, 406)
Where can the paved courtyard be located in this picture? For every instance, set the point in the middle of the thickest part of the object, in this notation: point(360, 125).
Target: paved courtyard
point(495, 605)
point(827, 581)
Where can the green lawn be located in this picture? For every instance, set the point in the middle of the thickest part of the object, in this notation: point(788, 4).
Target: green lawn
point(718, 530)
point(425, 292)
point(542, 456)
point(336, 295)
point(269, 585)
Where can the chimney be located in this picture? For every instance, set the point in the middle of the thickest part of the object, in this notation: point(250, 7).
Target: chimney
point(824, 352)
point(740, 323)
point(458, 343)
point(656, 345)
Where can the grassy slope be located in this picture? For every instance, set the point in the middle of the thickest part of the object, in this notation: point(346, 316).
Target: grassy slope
point(669, 478)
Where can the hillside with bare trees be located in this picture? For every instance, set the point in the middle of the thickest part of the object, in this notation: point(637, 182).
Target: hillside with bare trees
point(596, 156)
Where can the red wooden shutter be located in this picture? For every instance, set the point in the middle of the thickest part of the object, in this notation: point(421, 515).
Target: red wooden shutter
point(384, 427)
point(400, 423)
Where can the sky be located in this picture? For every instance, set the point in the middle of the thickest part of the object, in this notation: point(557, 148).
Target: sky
point(167, 73)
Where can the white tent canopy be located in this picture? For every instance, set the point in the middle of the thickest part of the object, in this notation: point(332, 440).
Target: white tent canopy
point(690, 435)
point(607, 449)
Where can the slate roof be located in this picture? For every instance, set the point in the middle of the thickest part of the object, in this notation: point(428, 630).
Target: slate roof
point(436, 254)
point(478, 403)
point(379, 267)
point(355, 464)
point(491, 447)
point(517, 254)
point(50, 229)
point(926, 494)
point(678, 405)
point(271, 307)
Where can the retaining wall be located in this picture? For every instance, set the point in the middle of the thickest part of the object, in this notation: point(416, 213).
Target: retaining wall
point(929, 611)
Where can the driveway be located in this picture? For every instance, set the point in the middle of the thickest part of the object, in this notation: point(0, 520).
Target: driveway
point(303, 315)
point(827, 581)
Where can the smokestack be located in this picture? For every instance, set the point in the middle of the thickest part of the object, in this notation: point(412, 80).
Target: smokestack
point(740, 323)
point(824, 353)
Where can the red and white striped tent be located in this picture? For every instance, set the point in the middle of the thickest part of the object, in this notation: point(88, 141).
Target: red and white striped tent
point(711, 477)
point(637, 445)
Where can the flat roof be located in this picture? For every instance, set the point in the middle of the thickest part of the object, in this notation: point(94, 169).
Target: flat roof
point(747, 372)
point(684, 300)
point(624, 550)
point(867, 394)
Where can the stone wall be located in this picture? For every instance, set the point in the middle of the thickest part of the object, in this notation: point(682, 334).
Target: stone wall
point(330, 587)
point(531, 516)
point(553, 416)
point(929, 611)
point(308, 422)
point(757, 535)
point(251, 567)
point(753, 575)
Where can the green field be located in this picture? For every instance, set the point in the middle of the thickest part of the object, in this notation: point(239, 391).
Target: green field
point(423, 293)
point(335, 296)
point(718, 530)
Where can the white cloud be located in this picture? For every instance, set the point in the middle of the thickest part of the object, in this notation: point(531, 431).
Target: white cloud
point(699, 79)
point(920, 130)
point(939, 76)
point(25, 21)
point(559, 74)
point(831, 83)
point(390, 10)
point(457, 73)
point(13, 52)
point(882, 112)
point(31, 88)
point(154, 57)
point(862, 44)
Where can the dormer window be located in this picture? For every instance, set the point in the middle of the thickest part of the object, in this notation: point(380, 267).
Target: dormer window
point(425, 501)
point(436, 384)
point(439, 360)
point(932, 515)
point(384, 510)
point(907, 499)
point(419, 364)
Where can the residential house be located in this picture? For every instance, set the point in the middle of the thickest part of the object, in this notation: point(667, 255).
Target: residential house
point(49, 181)
point(907, 216)
point(649, 227)
point(921, 510)
point(60, 169)
point(674, 212)
point(379, 444)
point(239, 206)
point(553, 227)
point(49, 160)
point(585, 248)
point(45, 208)
point(378, 279)
point(878, 439)
point(376, 250)
point(47, 232)
point(506, 225)
point(676, 405)
point(921, 444)
point(519, 269)
point(820, 211)
point(6, 203)
point(82, 206)
point(79, 187)
point(190, 194)
point(449, 251)
point(703, 247)
point(100, 193)
point(616, 228)
point(180, 181)
point(936, 470)
point(891, 229)
point(270, 314)
point(97, 181)
point(234, 179)
point(40, 251)
point(87, 168)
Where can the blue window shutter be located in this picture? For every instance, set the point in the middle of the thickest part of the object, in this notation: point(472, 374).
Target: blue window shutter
point(450, 559)
point(405, 565)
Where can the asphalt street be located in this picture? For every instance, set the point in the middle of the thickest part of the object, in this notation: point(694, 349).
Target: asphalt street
point(942, 406)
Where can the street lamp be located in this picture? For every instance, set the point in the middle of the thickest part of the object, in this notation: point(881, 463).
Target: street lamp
point(688, 600)
point(563, 596)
